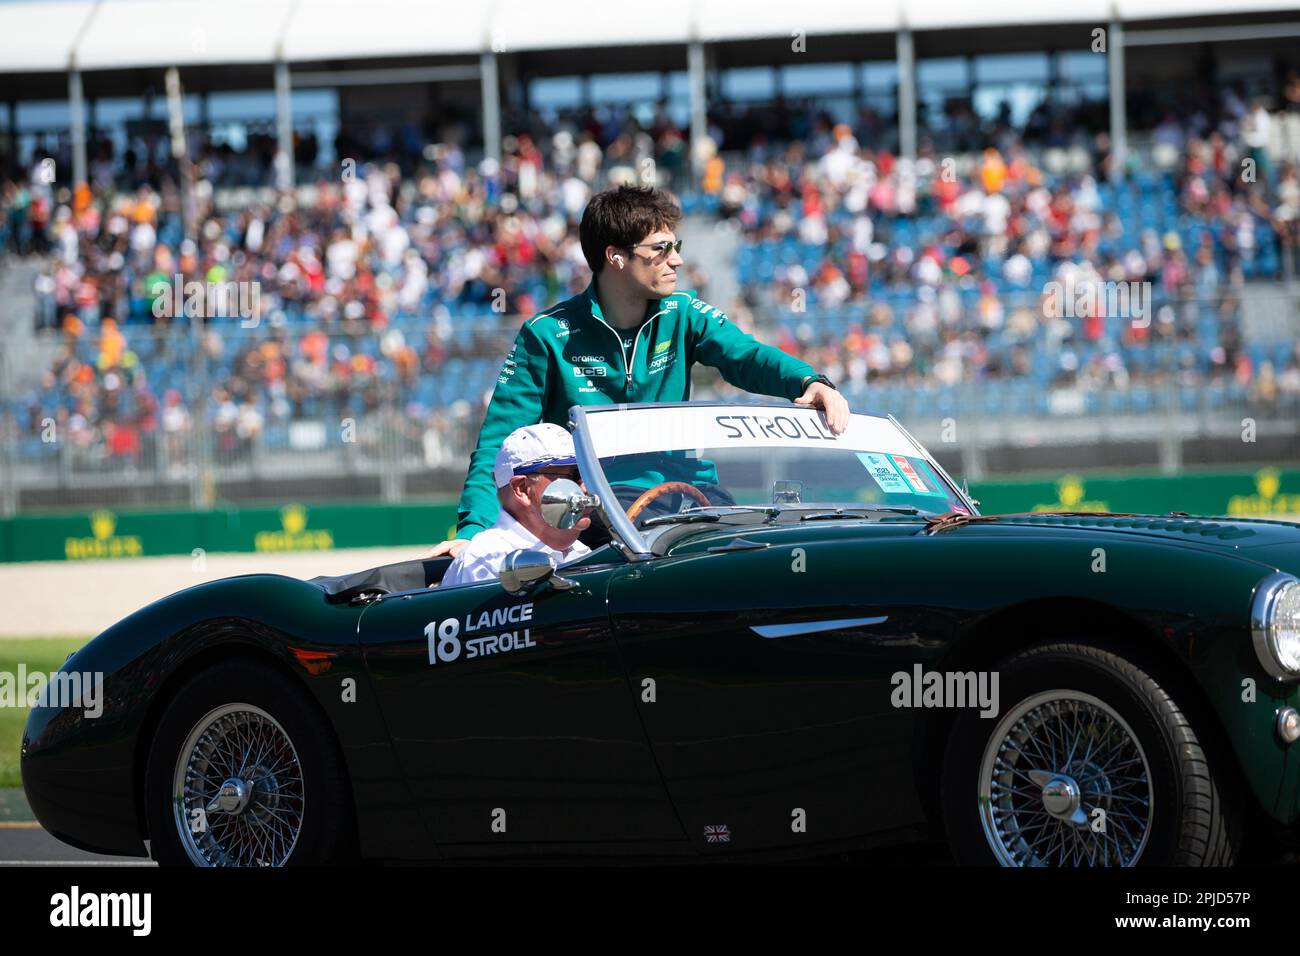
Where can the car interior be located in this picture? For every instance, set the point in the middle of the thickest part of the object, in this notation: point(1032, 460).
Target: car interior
point(388, 579)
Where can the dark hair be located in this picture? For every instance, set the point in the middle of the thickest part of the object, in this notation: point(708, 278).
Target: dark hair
point(623, 216)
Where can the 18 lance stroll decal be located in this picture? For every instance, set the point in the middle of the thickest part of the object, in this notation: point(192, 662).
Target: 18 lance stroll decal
point(445, 642)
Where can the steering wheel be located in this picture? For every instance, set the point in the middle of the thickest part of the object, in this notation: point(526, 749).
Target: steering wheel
point(663, 488)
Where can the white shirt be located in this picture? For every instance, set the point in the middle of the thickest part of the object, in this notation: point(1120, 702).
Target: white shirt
point(481, 559)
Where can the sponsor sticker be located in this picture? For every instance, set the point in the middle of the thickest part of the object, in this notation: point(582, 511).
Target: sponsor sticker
point(919, 484)
point(931, 479)
point(884, 473)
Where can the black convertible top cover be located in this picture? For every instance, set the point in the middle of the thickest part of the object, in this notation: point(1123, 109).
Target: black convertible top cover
point(388, 579)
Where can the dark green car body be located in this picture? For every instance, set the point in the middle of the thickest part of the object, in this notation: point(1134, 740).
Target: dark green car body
point(657, 709)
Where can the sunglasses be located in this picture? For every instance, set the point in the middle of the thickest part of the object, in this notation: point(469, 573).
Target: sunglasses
point(571, 473)
point(661, 248)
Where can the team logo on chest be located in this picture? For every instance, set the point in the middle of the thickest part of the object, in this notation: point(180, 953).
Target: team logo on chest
point(667, 360)
point(585, 366)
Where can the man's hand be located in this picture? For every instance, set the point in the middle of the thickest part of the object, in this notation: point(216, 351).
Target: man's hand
point(451, 547)
point(822, 396)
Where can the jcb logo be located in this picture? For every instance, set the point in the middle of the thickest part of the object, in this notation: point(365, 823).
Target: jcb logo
point(587, 371)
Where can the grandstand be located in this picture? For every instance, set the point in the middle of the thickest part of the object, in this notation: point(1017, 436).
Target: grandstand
point(890, 198)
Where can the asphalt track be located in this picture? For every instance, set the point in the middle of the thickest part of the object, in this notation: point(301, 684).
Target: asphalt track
point(24, 843)
point(29, 845)
point(82, 598)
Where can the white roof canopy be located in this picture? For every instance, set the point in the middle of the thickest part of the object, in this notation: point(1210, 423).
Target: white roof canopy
point(43, 35)
point(40, 36)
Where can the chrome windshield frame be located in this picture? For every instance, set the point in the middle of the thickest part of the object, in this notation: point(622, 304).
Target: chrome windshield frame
point(933, 462)
point(624, 536)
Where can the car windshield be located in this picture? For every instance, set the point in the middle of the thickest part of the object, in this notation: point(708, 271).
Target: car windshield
point(761, 455)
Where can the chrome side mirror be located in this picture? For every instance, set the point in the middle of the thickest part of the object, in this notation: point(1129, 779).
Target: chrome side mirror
point(563, 503)
point(524, 570)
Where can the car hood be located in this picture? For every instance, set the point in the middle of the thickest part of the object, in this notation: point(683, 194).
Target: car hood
point(1263, 541)
point(1256, 539)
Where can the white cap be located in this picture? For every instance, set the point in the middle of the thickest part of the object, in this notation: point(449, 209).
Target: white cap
point(531, 448)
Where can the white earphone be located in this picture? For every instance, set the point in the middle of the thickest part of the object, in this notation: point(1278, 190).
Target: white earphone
point(619, 260)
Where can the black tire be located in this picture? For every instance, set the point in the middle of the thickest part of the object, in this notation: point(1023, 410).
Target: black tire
point(1194, 817)
point(326, 826)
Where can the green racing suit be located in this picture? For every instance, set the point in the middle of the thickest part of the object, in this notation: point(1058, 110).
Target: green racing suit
point(569, 355)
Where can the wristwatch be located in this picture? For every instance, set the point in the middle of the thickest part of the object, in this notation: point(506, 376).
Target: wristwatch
point(818, 378)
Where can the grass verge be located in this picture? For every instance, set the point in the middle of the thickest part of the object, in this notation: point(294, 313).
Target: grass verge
point(43, 654)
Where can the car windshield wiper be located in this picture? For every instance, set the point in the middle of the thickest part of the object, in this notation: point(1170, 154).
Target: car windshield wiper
point(952, 519)
point(715, 514)
point(682, 518)
point(841, 513)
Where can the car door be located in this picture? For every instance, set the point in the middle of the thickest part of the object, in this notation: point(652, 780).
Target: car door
point(771, 716)
point(512, 717)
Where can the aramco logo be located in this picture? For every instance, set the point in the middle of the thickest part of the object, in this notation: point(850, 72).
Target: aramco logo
point(102, 543)
point(1070, 497)
point(293, 534)
point(1268, 498)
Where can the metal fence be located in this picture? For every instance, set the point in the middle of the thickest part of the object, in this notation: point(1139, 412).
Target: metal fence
point(290, 413)
point(155, 418)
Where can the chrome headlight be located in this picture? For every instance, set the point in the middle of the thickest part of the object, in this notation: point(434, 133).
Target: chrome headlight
point(1275, 624)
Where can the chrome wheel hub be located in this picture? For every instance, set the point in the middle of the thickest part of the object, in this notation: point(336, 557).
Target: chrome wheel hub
point(232, 797)
point(1065, 782)
point(237, 792)
point(1061, 798)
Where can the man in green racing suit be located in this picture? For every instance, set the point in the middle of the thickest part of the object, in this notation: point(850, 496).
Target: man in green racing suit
point(630, 336)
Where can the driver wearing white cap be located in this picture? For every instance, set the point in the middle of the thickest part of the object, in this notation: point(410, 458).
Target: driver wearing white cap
point(530, 458)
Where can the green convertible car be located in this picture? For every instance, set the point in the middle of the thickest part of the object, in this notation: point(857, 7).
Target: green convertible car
point(784, 642)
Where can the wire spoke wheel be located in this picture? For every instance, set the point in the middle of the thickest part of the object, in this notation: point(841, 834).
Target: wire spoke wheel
point(1064, 781)
point(237, 793)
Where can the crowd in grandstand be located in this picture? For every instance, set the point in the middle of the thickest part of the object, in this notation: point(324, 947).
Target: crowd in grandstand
point(398, 282)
